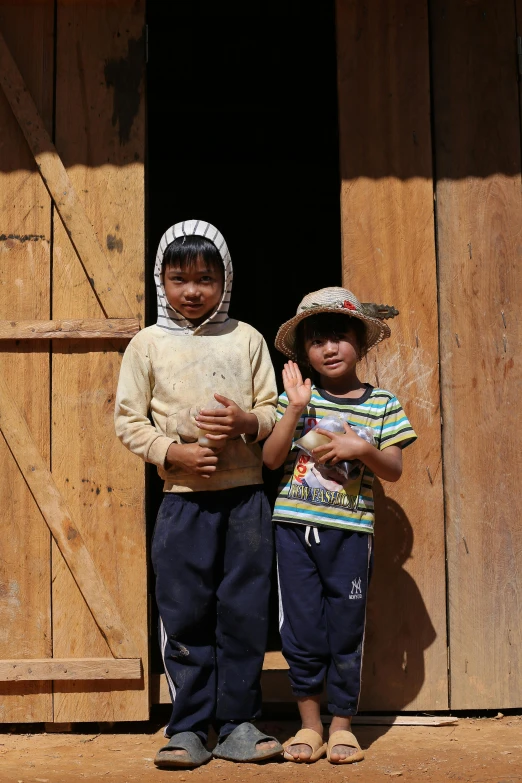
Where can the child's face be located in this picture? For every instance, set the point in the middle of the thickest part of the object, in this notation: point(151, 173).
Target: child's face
point(334, 356)
point(193, 291)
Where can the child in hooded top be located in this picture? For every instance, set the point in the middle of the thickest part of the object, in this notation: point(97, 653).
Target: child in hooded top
point(212, 544)
point(324, 521)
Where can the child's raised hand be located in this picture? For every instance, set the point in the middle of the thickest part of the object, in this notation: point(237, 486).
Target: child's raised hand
point(345, 445)
point(297, 391)
point(229, 422)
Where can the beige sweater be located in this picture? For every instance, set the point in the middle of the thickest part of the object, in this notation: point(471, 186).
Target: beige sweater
point(170, 374)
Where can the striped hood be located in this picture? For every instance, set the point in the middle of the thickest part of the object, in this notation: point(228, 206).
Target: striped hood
point(168, 318)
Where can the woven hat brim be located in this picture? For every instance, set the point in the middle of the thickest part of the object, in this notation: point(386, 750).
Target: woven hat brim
point(285, 338)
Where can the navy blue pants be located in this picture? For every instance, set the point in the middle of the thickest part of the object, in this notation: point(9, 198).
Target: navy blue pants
point(323, 588)
point(212, 556)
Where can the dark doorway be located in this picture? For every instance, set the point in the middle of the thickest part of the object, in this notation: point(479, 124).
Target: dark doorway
point(242, 132)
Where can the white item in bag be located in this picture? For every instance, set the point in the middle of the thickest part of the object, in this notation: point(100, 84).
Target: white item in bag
point(334, 422)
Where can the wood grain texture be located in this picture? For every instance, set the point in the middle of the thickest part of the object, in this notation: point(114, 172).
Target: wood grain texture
point(70, 208)
point(273, 661)
point(100, 136)
point(72, 329)
point(479, 224)
point(25, 208)
point(389, 256)
point(65, 534)
point(70, 669)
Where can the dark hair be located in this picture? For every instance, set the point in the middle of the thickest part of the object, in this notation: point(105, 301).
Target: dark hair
point(186, 250)
point(324, 326)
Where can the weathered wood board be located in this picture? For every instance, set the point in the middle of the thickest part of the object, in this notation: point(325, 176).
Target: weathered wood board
point(479, 222)
point(70, 669)
point(100, 138)
point(389, 257)
point(72, 328)
point(25, 233)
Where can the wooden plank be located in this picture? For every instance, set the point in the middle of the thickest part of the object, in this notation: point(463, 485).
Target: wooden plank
point(274, 661)
point(65, 533)
point(100, 135)
point(25, 208)
point(402, 720)
point(274, 682)
point(389, 256)
point(95, 263)
point(479, 226)
point(71, 669)
point(72, 329)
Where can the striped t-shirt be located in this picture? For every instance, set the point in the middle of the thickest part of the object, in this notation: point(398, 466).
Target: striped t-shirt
point(309, 497)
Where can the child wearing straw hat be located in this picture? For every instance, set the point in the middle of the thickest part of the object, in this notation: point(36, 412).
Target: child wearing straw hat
point(324, 521)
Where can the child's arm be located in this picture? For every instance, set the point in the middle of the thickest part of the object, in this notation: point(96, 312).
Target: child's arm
point(133, 399)
point(278, 444)
point(193, 458)
point(135, 430)
point(385, 464)
point(231, 421)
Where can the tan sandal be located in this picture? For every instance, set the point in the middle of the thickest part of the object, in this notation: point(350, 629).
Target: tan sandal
point(306, 737)
point(344, 738)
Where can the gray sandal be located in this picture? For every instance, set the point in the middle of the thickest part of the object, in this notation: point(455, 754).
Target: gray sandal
point(241, 745)
point(195, 754)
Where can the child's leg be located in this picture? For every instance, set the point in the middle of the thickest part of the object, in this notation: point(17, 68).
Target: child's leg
point(242, 607)
point(344, 559)
point(302, 626)
point(340, 752)
point(184, 551)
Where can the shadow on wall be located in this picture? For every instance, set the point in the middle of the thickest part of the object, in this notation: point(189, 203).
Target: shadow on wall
point(394, 59)
point(398, 626)
point(424, 82)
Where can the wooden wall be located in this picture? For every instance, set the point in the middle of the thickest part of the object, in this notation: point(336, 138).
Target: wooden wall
point(90, 60)
point(430, 140)
point(389, 257)
point(25, 292)
point(430, 116)
point(479, 223)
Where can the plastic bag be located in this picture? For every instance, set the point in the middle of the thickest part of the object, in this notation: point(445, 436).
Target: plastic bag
point(334, 422)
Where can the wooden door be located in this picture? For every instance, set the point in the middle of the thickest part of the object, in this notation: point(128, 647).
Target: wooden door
point(25, 292)
point(389, 257)
point(459, 315)
point(73, 272)
point(479, 225)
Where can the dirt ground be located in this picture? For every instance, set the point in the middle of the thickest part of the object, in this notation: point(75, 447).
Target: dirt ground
point(480, 750)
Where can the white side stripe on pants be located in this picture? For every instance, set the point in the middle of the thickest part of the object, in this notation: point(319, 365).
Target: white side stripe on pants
point(281, 611)
point(163, 635)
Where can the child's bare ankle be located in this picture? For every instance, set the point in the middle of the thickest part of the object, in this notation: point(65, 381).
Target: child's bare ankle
point(314, 725)
point(340, 723)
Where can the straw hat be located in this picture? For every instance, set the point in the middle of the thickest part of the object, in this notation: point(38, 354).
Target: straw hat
point(332, 300)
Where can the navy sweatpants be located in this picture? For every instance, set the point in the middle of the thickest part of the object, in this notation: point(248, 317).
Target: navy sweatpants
point(212, 556)
point(323, 589)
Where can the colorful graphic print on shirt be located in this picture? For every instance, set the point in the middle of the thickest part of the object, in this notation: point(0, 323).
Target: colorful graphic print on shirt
point(320, 485)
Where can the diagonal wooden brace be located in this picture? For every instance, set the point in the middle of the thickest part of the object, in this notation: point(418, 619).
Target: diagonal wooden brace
point(72, 212)
point(58, 518)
